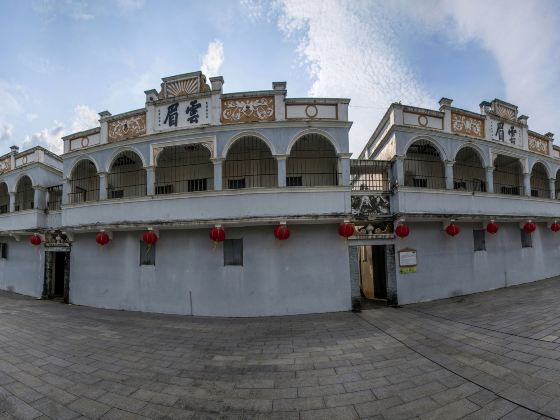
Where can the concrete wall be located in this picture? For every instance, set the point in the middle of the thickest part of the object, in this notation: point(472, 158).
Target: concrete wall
point(449, 267)
point(307, 273)
point(23, 270)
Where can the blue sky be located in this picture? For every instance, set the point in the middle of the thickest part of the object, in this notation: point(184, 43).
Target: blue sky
point(63, 61)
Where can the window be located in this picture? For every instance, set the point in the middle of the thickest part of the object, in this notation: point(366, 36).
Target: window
point(4, 251)
point(479, 240)
point(510, 190)
point(294, 181)
point(147, 254)
point(117, 193)
point(420, 182)
point(197, 185)
point(233, 252)
point(526, 239)
point(164, 189)
point(235, 184)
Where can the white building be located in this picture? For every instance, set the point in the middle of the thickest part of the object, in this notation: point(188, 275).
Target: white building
point(452, 166)
point(192, 159)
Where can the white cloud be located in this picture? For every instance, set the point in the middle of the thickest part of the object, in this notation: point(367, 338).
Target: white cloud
point(130, 5)
point(73, 9)
point(213, 59)
point(84, 118)
point(49, 138)
point(6, 131)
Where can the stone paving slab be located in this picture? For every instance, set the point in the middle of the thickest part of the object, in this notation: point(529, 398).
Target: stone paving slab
point(487, 356)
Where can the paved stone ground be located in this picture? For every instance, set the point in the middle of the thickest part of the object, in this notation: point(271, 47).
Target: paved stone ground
point(487, 356)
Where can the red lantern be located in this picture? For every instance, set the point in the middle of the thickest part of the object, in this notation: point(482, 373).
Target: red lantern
point(555, 226)
point(282, 232)
point(452, 229)
point(218, 234)
point(402, 231)
point(529, 227)
point(346, 229)
point(150, 237)
point(492, 227)
point(102, 238)
point(36, 240)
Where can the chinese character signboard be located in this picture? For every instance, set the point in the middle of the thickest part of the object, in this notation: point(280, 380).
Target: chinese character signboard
point(183, 114)
point(505, 132)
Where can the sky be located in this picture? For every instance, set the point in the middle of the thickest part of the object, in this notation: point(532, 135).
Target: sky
point(64, 61)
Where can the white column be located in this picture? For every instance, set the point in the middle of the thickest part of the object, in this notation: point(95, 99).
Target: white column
point(65, 191)
point(12, 201)
point(449, 174)
point(552, 187)
point(38, 198)
point(527, 184)
point(281, 161)
point(102, 185)
point(489, 179)
point(344, 168)
point(399, 168)
point(150, 180)
point(218, 163)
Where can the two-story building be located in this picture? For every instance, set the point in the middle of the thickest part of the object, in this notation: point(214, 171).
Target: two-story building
point(472, 195)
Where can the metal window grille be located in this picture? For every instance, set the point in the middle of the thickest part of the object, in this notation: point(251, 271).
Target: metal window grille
point(184, 168)
point(468, 172)
point(313, 158)
point(4, 199)
point(127, 177)
point(526, 239)
point(539, 182)
point(479, 238)
point(84, 183)
point(24, 194)
point(249, 164)
point(4, 251)
point(370, 175)
point(55, 197)
point(233, 252)
point(147, 254)
point(508, 178)
point(423, 167)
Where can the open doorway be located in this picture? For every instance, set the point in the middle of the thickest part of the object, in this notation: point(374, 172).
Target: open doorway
point(57, 275)
point(373, 271)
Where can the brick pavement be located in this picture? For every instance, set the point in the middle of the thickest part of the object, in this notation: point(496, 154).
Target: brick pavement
point(486, 356)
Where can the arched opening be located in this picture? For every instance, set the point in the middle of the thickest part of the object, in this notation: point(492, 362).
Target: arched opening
point(84, 183)
point(25, 194)
point(312, 162)
point(508, 175)
point(468, 172)
point(423, 166)
point(539, 181)
point(249, 164)
point(4, 198)
point(184, 168)
point(127, 177)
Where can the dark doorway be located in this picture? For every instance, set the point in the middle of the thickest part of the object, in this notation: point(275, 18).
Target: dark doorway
point(373, 271)
point(57, 275)
point(59, 265)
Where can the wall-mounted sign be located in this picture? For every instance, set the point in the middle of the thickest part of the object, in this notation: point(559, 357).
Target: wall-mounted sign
point(505, 132)
point(183, 114)
point(407, 260)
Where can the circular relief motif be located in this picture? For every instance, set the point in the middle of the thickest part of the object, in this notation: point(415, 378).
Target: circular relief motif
point(311, 111)
point(422, 120)
point(85, 142)
point(24, 160)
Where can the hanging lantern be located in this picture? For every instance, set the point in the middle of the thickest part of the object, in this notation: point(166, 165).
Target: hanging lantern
point(529, 227)
point(346, 229)
point(102, 238)
point(402, 231)
point(452, 229)
point(35, 240)
point(218, 234)
point(555, 226)
point(492, 227)
point(282, 232)
point(150, 237)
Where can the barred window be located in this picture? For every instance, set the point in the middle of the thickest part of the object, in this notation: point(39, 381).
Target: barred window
point(479, 237)
point(526, 239)
point(147, 254)
point(233, 252)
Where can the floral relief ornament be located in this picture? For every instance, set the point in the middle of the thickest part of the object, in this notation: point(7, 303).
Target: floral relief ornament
point(248, 109)
point(127, 127)
point(466, 125)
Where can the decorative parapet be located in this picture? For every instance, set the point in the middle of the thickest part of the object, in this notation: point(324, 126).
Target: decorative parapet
point(369, 206)
point(538, 143)
point(467, 125)
point(183, 85)
point(127, 127)
point(5, 165)
point(247, 109)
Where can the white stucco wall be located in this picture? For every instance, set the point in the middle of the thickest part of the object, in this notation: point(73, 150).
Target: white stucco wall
point(23, 270)
point(449, 267)
point(307, 273)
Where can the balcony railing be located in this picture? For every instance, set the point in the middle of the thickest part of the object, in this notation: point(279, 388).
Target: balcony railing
point(370, 175)
point(55, 197)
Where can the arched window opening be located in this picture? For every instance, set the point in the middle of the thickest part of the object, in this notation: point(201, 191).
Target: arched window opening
point(539, 181)
point(508, 176)
point(312, 162)
point(249, 164)
point(4, 198)
point(127, 177)
point(184, 168)
point(468, 172)
point(423, 167)
point(25, 194)
point(84, 183)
